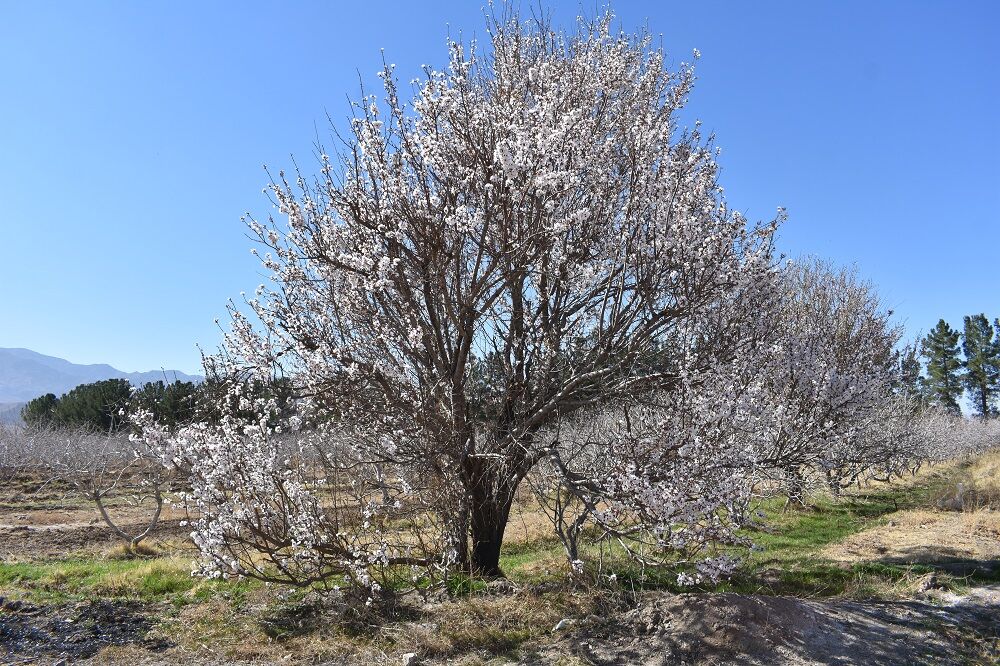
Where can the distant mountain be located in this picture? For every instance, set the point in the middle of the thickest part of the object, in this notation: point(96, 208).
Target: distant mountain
point(25, 374)
point(10, 412)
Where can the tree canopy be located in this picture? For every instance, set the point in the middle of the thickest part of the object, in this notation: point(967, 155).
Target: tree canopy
point(944, 367)
point(528, 269)
point(103, 405)
point(981, 347)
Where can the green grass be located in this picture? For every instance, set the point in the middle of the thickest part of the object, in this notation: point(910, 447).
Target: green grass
point(789, 559)
point(516, 560)
point(789, 556)
point(800, 531)
point(19, 573)
point(789, 544)
point(163, 579)
point(57, 580)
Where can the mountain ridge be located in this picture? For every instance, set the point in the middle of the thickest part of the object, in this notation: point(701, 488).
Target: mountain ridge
point(26, 374)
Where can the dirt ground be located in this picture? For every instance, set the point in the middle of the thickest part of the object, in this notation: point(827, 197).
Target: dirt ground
point(69, 633)
point(744, 629)
point(49, 533)
point(664, 629)
point(934, 627)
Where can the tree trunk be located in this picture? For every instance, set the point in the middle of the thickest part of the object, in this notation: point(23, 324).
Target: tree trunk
point(489, 513)
point(459, 536)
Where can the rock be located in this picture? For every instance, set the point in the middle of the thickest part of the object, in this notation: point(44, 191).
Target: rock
point(501, 586)
point(954, 502)
point(410, 659)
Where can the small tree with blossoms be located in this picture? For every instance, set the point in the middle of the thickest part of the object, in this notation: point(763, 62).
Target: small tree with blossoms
point(824, 396)
point(532, 236)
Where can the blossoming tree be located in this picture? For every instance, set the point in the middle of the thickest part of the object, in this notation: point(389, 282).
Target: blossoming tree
point(824, 390)
point(531, 236)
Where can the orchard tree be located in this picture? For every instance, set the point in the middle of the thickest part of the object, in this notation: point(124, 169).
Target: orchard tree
point(823, 390)
point(103, 467)
point(944, 435)
point(944, 367)
point(981, 346)
point(531, 236)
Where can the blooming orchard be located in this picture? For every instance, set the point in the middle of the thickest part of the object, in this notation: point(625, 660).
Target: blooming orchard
point(526, 271)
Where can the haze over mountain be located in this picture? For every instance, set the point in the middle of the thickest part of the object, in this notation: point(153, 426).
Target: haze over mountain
point(26, 374)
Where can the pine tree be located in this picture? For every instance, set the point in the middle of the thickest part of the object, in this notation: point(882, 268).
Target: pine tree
point(944, 367)
point(910, 381)
point(95, 405)
point(981, 346)
point(41, 410)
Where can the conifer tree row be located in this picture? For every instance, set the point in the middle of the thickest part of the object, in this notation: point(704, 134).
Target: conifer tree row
point(981, 346)
point(955, 362)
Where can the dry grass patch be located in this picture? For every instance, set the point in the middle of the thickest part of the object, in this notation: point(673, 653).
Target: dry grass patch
point(487, 626)
point(528, 523)
point(481, 628)
point(142, 550)
point(985, 469)
point(923, 536)
point(468, 630)
point(214, 627)
point(983, 478)
point(947, 529)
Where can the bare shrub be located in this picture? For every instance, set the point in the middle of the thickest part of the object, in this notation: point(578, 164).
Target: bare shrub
point(95, 466)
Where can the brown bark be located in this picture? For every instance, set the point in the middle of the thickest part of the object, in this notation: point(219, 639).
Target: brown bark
point(489, 514)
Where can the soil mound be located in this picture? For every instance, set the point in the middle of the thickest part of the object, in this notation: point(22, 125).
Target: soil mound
point(750, 629)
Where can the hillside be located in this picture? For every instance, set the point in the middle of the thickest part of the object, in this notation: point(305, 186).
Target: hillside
point(25, 374)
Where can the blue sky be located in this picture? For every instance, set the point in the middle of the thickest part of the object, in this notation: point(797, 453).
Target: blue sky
point(132, 138)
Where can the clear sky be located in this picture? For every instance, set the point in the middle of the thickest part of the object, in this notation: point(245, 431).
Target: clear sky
point(133, 134)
